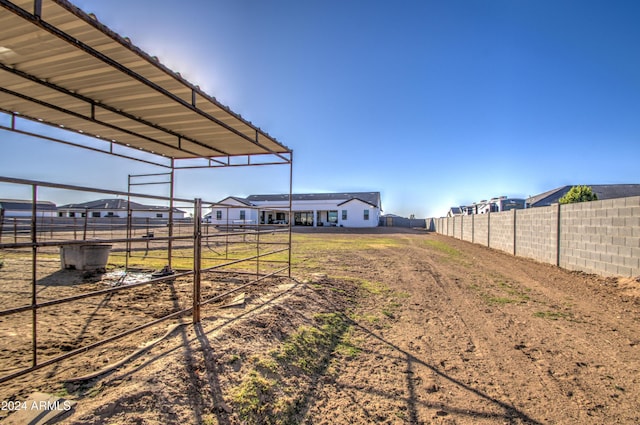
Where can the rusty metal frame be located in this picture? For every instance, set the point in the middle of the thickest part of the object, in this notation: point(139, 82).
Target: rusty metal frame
point(127, 152)
point(197, 302)
point(253, 153)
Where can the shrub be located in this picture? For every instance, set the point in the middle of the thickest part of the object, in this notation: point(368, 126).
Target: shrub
point(578, 194)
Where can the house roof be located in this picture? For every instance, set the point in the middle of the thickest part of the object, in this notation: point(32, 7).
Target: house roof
point(243, 201)
point(61, 66)
point(372, 198)
point(547, 198)
point(115, 204)
point(602, 191)
point(22, 205)
point(357, 199)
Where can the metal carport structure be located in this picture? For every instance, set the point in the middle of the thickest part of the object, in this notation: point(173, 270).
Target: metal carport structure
point(61, 67)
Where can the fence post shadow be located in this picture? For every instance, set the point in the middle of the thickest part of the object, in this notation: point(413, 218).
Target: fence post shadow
point(510, 412)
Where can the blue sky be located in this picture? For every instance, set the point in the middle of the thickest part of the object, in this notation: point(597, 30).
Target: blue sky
point(432, 103)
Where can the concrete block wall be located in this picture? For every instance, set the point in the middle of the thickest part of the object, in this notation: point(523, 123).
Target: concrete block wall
point(501, 235)
point(467, 228)
point(457, 227)
point(444, 225)
point(404, 222)
point(481, 229)
point(601, 237)
point(537, 234)
point(452, 227)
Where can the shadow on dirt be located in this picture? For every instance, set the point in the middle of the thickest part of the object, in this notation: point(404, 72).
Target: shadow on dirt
point(509, 415)
point(199, 373)
point(69, 277)
point(510, 412)
point(203, 387)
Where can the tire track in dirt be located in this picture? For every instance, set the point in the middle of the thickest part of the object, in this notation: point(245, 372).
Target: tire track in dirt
point(464, 357)
point(485, 329)
point(475, 351)
point(571, 369)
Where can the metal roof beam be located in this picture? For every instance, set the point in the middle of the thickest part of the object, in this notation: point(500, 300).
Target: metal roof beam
point(102, 57)
point(93, 103)
point(66, 142)
point(77, 115)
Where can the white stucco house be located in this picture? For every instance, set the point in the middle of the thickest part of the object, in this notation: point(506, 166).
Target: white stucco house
point(116, 208)
point(351, 209)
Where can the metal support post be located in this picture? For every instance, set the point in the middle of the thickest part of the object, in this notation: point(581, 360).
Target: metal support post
point(84, 230)
point(197, 258)
point(171, 189)
point(128, 247)
point(1, 222)
point(258, 246)
point(226, 245)
point(290, 206)
point(34, 276)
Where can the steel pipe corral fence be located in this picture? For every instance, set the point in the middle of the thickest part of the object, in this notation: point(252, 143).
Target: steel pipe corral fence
point(28, 236)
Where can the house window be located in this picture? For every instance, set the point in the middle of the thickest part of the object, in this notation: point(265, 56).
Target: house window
point(304, 218)
point(158, 215)
point(110, 214)
point(72, 214)
point(60, 214)
point(332, 216)
point(243, 215)
point(366, 214)
point(344, 214)
point(95, 214)
point(218, 215)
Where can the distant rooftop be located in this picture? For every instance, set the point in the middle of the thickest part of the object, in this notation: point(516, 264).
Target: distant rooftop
point(602, 191)
point(372, 198)
point(21, 205)
point(115, 204)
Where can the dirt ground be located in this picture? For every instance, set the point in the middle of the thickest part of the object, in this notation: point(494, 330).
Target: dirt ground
point(400, 327)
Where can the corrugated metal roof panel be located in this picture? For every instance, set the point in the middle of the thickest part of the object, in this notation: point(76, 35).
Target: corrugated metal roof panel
point(64, 61)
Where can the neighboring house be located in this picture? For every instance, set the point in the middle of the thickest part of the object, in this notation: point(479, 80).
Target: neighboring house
point(354, 209)
point(235, 210)
point(602, 191)
point(116, 208)
point(21, 208)
point(498, 204)
point(454, 211)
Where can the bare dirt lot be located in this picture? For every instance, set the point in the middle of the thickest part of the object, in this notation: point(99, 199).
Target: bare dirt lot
point(387, 326)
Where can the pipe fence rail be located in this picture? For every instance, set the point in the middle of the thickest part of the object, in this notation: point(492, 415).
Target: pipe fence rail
point(188, 252)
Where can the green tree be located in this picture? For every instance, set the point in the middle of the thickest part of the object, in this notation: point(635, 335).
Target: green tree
point(578, 194)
